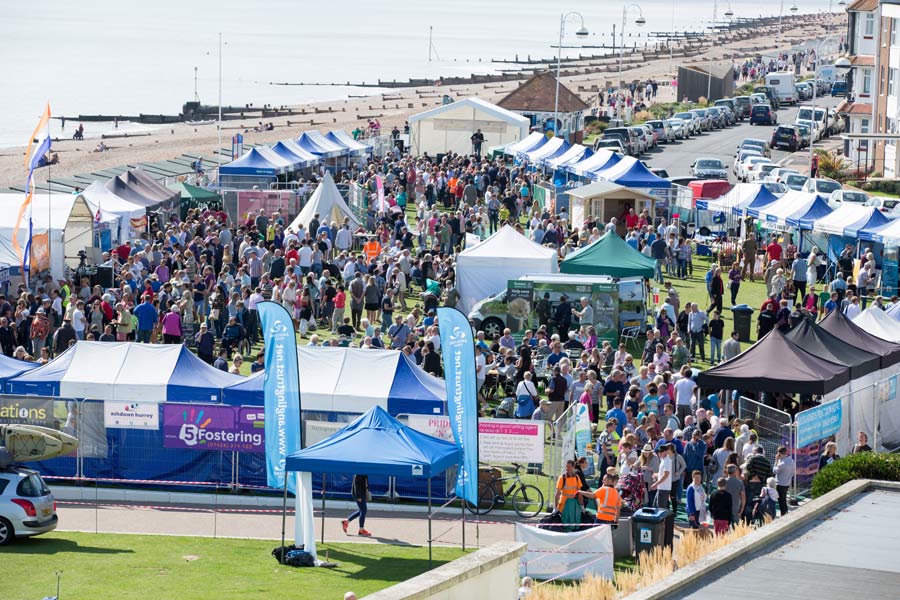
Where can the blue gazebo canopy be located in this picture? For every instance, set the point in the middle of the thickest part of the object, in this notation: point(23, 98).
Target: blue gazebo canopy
point(259, 161)
point(377, 444)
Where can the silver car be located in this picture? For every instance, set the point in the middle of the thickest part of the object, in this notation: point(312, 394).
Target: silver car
point(706, 122)
point(692, 120)
point(26, 505)
point(680, 127)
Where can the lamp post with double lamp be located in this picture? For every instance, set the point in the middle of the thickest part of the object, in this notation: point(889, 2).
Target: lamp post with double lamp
point(582, 32)
point(640, 21)
point(842, 66)
point(793, 10)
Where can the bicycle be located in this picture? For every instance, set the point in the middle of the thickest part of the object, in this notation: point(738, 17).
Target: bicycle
point(527, 500)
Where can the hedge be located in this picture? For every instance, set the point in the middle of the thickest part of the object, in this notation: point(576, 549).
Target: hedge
point(865, 465)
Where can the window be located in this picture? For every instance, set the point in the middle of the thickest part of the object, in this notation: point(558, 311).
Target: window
point(863, 128)
point(870, 25)
point(867, 82)
point(893, 30)
point(892, 75)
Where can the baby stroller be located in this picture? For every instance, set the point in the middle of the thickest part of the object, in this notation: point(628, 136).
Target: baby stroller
point(631, 490)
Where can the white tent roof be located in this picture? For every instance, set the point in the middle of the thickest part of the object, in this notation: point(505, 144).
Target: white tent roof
point(46, 209)
point(888, 234)
point(843, 217)
point(484, 270)
point(524, 144)
point(98, 196)
point(894, 312)
point(594, 162)
point(740, 195)
point(479, 105)
point(328, 202)
point(793, 202)
point(552, 146)
point(875, 321)
point(571, 156)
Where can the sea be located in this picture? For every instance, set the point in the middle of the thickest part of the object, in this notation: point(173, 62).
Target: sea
point(128, 57)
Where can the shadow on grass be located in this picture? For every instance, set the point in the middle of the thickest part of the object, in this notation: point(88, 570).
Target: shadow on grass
point(377, 566)
point(49, 545)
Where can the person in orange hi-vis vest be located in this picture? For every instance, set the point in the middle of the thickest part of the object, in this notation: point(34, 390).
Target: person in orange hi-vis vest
point(566, 486)
point(609, 503)
point(372, 249)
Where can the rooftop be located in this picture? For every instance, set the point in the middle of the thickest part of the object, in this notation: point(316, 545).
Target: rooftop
point(845, 551)
point(863, 6)
point(538, 94)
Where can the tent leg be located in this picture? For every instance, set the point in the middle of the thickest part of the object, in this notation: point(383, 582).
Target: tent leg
point(323, 509)
point(429, 523)
point(284, 516)
point(463, 507)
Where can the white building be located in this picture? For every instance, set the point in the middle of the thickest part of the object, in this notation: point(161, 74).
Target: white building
point(887, 106)
point(862, 38)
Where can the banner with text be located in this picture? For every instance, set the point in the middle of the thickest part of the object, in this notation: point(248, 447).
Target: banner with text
point(131, 415)
point(818, 423)
point(209, 427)
point(500, 440)
point(458, 350)
point(21, 410)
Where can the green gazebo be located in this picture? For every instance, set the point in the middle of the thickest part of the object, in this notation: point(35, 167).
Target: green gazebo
point(609, 255)
point(196, 197)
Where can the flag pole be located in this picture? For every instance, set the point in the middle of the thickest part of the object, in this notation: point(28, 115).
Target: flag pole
point(49, 209)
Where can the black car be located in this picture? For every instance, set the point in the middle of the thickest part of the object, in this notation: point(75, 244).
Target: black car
point(785, 136)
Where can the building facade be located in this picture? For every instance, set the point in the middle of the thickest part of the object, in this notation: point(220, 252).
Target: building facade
point(858, 108)
point(887, 104)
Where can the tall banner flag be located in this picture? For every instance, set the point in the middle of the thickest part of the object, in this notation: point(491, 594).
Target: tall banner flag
point(379, 189)
point(458, 350)
point(45, 120)
point(281, 391)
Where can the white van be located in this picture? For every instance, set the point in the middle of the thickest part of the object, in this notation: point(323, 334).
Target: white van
point(784, 85)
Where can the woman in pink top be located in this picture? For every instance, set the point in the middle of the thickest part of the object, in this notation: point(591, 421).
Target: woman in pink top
point(171, 327)
point(586, 399)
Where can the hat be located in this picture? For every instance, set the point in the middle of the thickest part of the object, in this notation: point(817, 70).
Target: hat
point(647, 448)
point(41, 311)
point(545, 401)
point(203, 326)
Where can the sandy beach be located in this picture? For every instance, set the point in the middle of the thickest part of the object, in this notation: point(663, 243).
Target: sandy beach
point(394, 106)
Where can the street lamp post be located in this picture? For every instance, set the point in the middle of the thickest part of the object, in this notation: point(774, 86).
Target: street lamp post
point(219, 122)
point(582, 32)
point(639, 22)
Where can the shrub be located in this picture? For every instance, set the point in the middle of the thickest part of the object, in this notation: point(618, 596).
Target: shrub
point(831, 165)
point(865, 465)
point(642, 116)
point(596, 127)
point(702, 101)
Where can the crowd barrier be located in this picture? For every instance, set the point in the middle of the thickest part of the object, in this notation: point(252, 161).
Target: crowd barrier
point(119, 456)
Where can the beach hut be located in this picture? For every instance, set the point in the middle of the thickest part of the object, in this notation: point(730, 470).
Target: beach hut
point(328, 203)
point(602, 200)
point(449, 127)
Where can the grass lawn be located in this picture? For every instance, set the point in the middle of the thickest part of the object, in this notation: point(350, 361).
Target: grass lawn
point(122, 567)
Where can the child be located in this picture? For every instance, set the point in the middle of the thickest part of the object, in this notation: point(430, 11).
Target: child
point(696, 501)
point(720, 507)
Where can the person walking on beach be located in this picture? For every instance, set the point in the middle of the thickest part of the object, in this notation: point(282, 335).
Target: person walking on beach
point(362, 496)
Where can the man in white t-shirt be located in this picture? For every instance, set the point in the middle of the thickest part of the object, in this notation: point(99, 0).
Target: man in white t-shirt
point(480, 369)
point(684, 395)
point(79, 322)
point(304, 257)
point(662, 483)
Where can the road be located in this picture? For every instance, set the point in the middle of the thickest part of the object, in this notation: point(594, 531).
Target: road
point(676, 158)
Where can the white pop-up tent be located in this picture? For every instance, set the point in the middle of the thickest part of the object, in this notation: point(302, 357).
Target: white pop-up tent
point(449, 128)
point(98, 197)
point(328, 203)
point(69, 220)
point(484, 270)
point(875, 321)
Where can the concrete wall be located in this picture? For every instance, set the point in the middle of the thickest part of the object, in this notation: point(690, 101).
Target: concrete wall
point(488, 574)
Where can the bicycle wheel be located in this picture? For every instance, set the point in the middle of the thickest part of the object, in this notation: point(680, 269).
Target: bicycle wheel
point(486, 500)
point(527, 501)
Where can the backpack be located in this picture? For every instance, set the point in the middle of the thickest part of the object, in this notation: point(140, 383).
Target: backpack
point(294, 556)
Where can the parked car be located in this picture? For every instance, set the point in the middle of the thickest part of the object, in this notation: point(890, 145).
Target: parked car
point(27, 507)
point(762, 145)
point(613, 144)
point(660, 173)
point(663, 130)
point(709, 168)
point(652, 136)
point(776, 188)
point(682, 180)
point(841, 196)
point(804, 90)
point(815, 131)
point(889, 206)
point(778, 175)
point(839, 88)
point(732, 109)
point(759, 171)
point(706, 122)
point(680, 128)
point(770, 93)
point(805, 134)
point(823, 187)
point(795, 181)
point(759, 99)
point(746, 166)
point(742, 106)
point(785, 136)
point(762, 114)
point(743, 155)
point(626, 136)
point(692, 119)
point(718, 117)
point(640, 134)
